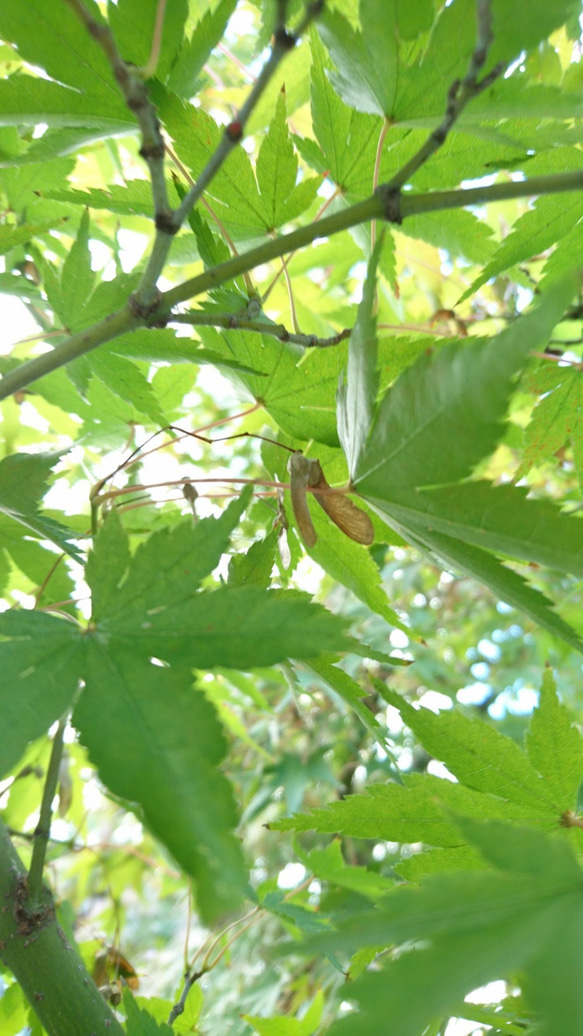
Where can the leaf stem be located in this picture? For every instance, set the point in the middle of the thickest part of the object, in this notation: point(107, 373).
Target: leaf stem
point(152, 62)
point(376, 173)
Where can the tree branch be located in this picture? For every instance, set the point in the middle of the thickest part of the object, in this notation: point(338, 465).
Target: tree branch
point(284, 42)
point(48, 969)
point(231, 321)
point(458, 96)
point(385, 203)
point(136, 97)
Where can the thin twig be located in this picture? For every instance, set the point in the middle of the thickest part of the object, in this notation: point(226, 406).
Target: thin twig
point(229, 943)
point(138, 454)
point(232, 322)
point(459, 95)
point(43, 828)
point(193, 976)
point(284, 42)
point(136, 97)
point(206, 965)
point(571, 364)
point(178, 1008)
point(319, 490)
point(47, 579)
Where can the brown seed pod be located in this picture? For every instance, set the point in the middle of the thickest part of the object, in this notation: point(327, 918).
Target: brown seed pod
point(350, 519)
point(300, 469)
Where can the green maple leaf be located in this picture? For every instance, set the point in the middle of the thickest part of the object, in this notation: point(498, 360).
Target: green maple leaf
point(154, 737)
point(22, 486)
point(469, 929)
point(410, 456)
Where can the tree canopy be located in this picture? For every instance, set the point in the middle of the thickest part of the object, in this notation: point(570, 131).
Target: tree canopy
point(290, 533)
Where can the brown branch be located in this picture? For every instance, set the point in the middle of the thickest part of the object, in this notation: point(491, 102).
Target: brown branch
point(135, 95)
point(231, 321)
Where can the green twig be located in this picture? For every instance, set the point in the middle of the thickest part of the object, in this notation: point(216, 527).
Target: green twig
point(385, 203)
point(43, 828)
point(82, 342)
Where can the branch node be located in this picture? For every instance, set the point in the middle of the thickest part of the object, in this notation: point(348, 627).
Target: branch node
point(31, 918)
point(166, 223)
point(151, 151)
point(493, 75)
point(285, 39)
point(391, 199)
point(234, 131)
point(142, 310)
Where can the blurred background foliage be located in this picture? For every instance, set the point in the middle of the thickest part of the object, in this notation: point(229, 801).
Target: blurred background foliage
point(293, 743)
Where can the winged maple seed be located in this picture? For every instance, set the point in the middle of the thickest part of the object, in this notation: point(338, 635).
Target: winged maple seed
point(351, 520)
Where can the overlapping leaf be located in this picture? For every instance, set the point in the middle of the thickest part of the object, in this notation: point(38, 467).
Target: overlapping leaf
point(195, 51)
point(441, 417)
point(158, 742)
point(54, 38)
point(277, 168)
point(42, 662)
point(196, 135)
point(155, 739)
point(557, 418)
point(366, 61)
point(473, 928)
point(495, 781)
point(22, 487)
point(358, 391)
point(540, 227)
point(133, 24)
